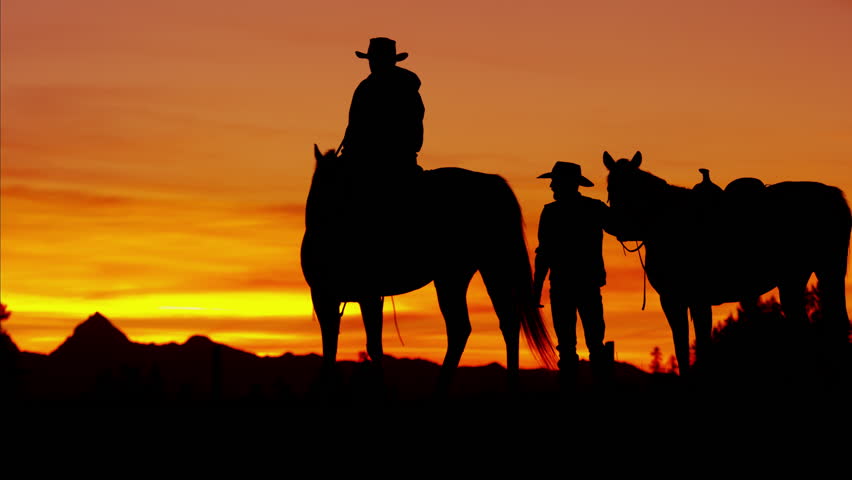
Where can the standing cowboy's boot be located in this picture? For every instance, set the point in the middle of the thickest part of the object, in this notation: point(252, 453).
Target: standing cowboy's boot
point(603, 364)
point(568, 366)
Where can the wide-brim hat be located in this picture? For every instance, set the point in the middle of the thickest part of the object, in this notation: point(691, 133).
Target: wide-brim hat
point(382, 48)
point(568, 171)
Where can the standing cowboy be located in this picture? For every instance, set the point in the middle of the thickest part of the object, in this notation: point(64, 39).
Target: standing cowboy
point(570, 236)
point(385, 130)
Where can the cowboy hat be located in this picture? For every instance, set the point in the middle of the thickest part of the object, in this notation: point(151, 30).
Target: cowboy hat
point(382, 48)
point(568, 171)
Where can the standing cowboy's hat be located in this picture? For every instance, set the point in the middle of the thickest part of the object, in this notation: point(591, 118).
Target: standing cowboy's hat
point(568, 171)
point(382, 48)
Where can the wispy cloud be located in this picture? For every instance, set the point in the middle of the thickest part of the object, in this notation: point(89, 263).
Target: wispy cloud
point(67, 198)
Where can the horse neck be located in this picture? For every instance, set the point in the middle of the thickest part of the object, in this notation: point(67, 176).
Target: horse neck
point(672, 197)
point(670, 210)
point(323, 201)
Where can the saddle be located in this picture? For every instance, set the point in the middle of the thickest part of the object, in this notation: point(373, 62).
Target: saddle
point(736, 203)
point(385, 248)
point(729, 229)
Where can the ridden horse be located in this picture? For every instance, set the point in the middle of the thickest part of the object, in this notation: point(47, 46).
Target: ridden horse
point(443, 227)
point(705, 247)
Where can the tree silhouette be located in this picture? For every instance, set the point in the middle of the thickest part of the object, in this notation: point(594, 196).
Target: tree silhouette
point(656, 360)
point(672, 364)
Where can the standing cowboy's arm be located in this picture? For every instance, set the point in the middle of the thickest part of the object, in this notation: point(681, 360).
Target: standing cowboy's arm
point(542, 261)
point(417, 111)
point(607, 219)
point(541, 269)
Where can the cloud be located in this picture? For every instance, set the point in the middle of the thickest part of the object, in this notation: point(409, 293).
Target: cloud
point(293, 210)
point(246, 281)
point(67, 197)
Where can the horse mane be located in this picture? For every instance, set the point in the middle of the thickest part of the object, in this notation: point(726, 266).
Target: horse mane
point(659, 181)
point(662, 188)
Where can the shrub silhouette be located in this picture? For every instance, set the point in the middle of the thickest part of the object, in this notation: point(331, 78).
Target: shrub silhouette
point(759, 350)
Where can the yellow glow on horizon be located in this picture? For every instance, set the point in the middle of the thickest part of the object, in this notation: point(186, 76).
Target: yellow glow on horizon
point(208, 304)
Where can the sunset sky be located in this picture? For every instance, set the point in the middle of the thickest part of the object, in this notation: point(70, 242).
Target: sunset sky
point(156, 156)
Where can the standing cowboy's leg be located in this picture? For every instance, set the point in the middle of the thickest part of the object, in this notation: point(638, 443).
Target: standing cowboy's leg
point(563, 309)
point(590, 307)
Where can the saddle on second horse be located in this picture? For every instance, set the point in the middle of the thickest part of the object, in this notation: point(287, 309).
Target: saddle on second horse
point(734, 201)
point(729, 226)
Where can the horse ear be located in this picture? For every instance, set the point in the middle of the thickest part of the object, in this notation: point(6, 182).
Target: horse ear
point(637, 159)
point(608, 161)
point(317, 153)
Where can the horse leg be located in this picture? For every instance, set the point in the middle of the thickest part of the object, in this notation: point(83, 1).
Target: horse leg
point(676, 314)
point(509, 317)
point(834, 345)
point(371, 314)
point(326, 308)
point(791, 293)
point(452, 300)
point(702, 324)
point(832, 299)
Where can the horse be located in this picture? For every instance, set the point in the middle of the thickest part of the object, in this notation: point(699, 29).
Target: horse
point(708, 246)
point(446, 225)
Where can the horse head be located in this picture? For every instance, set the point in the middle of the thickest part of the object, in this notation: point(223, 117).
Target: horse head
point(325, 162)
point(328, 186)
point(632, 193)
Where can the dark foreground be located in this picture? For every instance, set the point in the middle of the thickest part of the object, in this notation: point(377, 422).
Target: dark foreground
point(99, 367)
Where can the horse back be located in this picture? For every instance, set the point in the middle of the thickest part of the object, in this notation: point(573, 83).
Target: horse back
point(826, 201)
point(755, 236)
point(469, 200)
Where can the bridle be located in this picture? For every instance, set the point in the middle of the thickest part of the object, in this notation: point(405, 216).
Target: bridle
point(638, 249)
point(644, 271)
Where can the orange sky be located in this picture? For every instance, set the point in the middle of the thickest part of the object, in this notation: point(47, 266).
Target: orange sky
point(156, 155)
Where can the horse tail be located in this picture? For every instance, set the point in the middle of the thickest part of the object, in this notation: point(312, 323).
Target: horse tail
point(507, 263)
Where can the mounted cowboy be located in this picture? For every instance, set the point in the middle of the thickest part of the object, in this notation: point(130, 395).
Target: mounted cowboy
point(383, 187)
point(385, 130)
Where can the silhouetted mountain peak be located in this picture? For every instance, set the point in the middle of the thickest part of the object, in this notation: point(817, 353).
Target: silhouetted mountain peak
point(99, 326)
point(198, 340)
point(96, 334)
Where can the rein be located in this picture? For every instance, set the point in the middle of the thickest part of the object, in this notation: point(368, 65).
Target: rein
point(644, 271)
point(395, 324)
